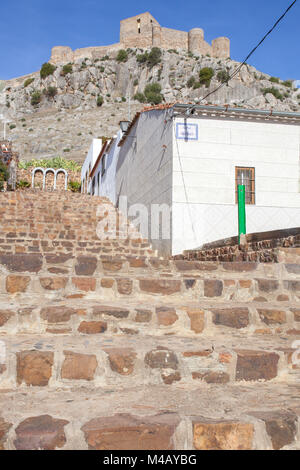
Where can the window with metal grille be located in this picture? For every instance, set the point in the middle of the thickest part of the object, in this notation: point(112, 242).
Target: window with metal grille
point(245, 176)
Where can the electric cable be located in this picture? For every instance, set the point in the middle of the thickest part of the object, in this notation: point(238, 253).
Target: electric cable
point(236, 71)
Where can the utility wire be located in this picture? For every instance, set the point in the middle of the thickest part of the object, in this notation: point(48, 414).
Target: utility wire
point(236, 71)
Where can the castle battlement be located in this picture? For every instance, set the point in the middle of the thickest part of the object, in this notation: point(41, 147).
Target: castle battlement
point(144, 31)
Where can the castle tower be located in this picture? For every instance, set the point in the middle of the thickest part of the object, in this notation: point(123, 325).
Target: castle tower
point(138, 31)
point(156, 35)
point(61, 55)
point(196, 39)
point(221, 47)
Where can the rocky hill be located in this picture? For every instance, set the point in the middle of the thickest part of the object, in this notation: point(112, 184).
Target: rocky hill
point(59, 114)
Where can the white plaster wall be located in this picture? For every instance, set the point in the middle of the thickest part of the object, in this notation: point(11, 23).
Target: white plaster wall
point(107, 186)
point(91, 157)
point(144, 169)
point(204, 206)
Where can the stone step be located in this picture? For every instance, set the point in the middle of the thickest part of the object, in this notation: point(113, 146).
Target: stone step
point(77, 247)
point(58, 283)
point(181, 416)
point(290, 255)
point(139, 265)
point(35, 194)
point(96, 360)
point(161, 316)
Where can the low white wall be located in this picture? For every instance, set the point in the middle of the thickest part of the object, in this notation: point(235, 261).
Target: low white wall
point(196, 224)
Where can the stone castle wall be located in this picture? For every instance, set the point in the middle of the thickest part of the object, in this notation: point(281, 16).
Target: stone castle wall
point(145, 32)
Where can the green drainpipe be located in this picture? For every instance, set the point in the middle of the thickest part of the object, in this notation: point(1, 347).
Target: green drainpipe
point(242, 210)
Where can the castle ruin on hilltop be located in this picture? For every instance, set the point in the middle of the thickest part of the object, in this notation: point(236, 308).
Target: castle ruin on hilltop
point(145, 32)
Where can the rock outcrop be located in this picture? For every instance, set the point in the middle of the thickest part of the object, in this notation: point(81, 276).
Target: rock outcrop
point(66, 116)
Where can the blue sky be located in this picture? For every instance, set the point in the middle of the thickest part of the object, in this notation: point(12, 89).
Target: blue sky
point(28, 29)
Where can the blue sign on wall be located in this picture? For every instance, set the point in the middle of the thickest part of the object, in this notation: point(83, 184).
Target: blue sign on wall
point(186, 131)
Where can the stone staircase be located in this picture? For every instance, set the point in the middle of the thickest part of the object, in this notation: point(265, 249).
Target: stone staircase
point(104, 345)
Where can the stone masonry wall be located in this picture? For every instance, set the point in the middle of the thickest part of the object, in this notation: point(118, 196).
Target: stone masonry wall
point(26, 175)
point(264, 251)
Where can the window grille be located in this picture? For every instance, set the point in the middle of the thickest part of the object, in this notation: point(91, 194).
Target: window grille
point(245, 176)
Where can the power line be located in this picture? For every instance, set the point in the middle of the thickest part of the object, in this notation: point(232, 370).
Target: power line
point(236, 71)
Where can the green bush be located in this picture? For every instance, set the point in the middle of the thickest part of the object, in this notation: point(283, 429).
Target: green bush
point(154, 56)
point(74, 186)
point(56, 163)
point(136, 82)
point(23, 184)
point(100, 101)
point(274, 80)
point(12, 126)
point(36, 97)
point(154, 98)
point(191, 82)
point(50, 92)
point(153, 94)
point(151, 58)
point(28, 82)
point(274, 91)
point(223, 76)
point(196, 85)
point(152, 87)
point(66, 70)
point(106, 57)
point(140, 97)
point(4, 174)
point(47, 69)
point(142, 58)
point(288, 83)
point(205, 76)
point(122, 56)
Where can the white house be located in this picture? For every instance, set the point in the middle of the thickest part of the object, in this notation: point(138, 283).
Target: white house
point(89, 164)
point(103, 173)
point(190, 159)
